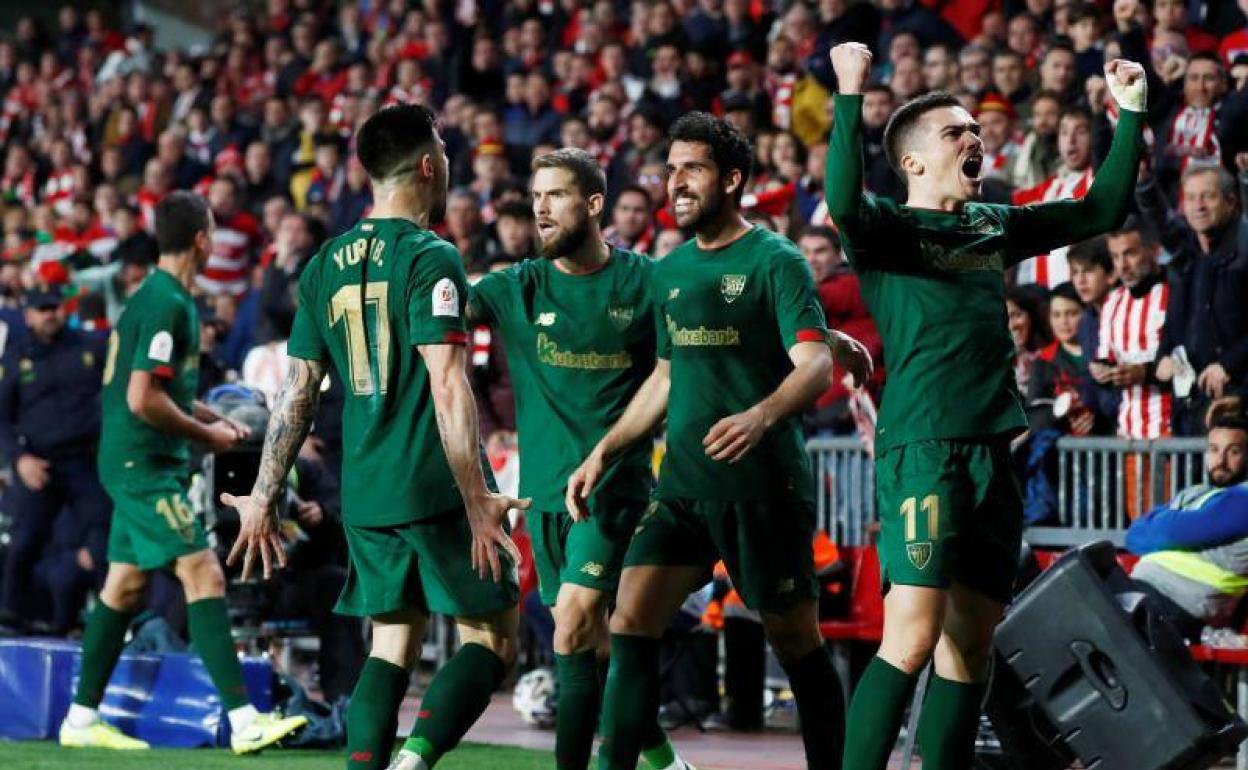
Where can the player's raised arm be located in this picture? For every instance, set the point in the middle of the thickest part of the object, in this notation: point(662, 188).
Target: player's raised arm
point(640, 417)
point(1041, 228)
point(843, 178)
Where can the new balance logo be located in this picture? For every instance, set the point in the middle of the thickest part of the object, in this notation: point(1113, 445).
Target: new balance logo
point(786, 586)
point(545, 319)
point(592, 568)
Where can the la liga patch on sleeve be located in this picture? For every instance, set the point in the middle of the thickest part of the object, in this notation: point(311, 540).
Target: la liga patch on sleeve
point(445, 298)
point(161, 347)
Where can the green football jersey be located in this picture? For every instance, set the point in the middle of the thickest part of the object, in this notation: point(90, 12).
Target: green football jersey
point(366, 300)
point(726, 319)
point(578, 348)
point(934, 282)
point(158, 332)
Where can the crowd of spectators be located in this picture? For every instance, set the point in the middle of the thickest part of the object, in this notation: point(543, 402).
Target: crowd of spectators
point(1133, 335)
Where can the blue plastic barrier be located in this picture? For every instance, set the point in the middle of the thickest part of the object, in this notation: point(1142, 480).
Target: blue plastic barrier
point(167, 700)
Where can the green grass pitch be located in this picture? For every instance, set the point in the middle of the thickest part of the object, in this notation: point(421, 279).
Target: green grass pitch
point(44, 755)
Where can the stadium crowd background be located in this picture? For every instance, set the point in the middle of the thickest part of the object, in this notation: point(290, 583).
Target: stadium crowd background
point(1132, 335)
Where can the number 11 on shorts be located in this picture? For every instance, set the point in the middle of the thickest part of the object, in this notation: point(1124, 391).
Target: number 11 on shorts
point(930, 506)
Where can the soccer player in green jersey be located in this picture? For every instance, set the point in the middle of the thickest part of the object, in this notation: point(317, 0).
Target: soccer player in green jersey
point(932, 273)
point(383, 303)
point(150, 418)
point(578, 328)
point(742, 351)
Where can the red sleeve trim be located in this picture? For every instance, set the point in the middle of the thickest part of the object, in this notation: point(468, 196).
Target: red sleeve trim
point(456, 338)
point(811, 335)
point(163, 371)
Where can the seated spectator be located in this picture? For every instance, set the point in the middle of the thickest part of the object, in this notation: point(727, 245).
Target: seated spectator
point(1206, 328)
point(1060, 373)
point(1195, 547)
point(1092, 276)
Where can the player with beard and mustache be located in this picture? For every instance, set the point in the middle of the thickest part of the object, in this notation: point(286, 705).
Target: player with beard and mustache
point(578, 329)
point(932, 272)
point(743, 350)
point(383, 304)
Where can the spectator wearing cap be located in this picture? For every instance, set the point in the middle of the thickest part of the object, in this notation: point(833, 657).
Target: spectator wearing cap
point(1071, 180)
point(1235, 44)
point(998, 123)
point(49, 427)
point(1208, 278)
point(128, 265)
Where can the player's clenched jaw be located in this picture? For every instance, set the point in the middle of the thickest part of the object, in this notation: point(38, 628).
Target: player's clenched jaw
point(560, 211)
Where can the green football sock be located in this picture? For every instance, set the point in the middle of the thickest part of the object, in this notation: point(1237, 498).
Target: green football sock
point(948, 724)
point(631, 700)
point(373, 715)
point(579, 691)
point(102, 641)
point(820, 708)
point(209, 624)
point(455, 700)
point(875, 714)
point(660, 755)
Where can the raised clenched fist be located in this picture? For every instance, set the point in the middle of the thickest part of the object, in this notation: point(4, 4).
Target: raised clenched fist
point(1127, 84)
point(852, 64)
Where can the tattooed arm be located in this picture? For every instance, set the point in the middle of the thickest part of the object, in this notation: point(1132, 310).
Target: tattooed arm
point(288, 427)
point(456, 413)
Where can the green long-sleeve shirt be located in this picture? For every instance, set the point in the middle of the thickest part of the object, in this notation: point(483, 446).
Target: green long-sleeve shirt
point(934, 282)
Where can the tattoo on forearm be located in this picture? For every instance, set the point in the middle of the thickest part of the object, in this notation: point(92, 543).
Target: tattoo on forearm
point(289, 424)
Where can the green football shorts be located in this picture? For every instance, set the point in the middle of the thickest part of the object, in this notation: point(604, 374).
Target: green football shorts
point(766, 545)
point(425, 564)
point(587, 553)
point(152, 521)
point(950, 510)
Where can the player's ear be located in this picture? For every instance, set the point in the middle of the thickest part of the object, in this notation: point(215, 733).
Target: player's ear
point(733, 181)
point(911, 164)
point(427, 170)
point(596, 203)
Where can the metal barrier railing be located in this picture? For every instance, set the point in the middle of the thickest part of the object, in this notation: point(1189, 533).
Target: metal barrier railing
point(1102, 483)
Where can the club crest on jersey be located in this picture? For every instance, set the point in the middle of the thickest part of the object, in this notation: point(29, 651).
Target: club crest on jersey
point(620, 316)
point(731, 287)
point(919, 554)
point(673, 294)
point(545, 319)
point(445, 298)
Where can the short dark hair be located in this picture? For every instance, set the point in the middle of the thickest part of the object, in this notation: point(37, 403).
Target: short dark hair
point(1207, 56)
point(1228, 416)
point(516, 210)
point(1091, 253)
point(1065, 290)
point(903, 120)
point(1075, 111)
point(179, 216)
point(583, 167)
point(1049, 94)
point(1135, 224)
point(876, 87)
point(388, 142)
point(729, 147)
point(820, 231)
point(636, 189)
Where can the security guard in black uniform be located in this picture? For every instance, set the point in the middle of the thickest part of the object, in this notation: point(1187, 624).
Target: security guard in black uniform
point(49, 428)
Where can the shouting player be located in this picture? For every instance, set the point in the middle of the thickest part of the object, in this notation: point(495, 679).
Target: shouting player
point(150, 418)
point(742, 351)
point(579, 333)
point(932, 273)
point(383, 304)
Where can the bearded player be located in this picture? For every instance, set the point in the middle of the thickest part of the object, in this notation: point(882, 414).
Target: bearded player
point(382, 303)
point(579, 333)
point(932, 273)
point(743, 350)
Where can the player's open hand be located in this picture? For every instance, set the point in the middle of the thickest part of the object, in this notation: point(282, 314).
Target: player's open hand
point(734, 436)
point(852, 356)
point(852, 64)
point(1127, 84)
point(259, 532)
point(486, 515)
point(581, 485)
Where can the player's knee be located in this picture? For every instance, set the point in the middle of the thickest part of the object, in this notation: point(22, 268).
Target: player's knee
point(201, 576)
point(792, 642)
point(577, 628)
point(626, 621)
point(123, 590)
point(913, 650)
